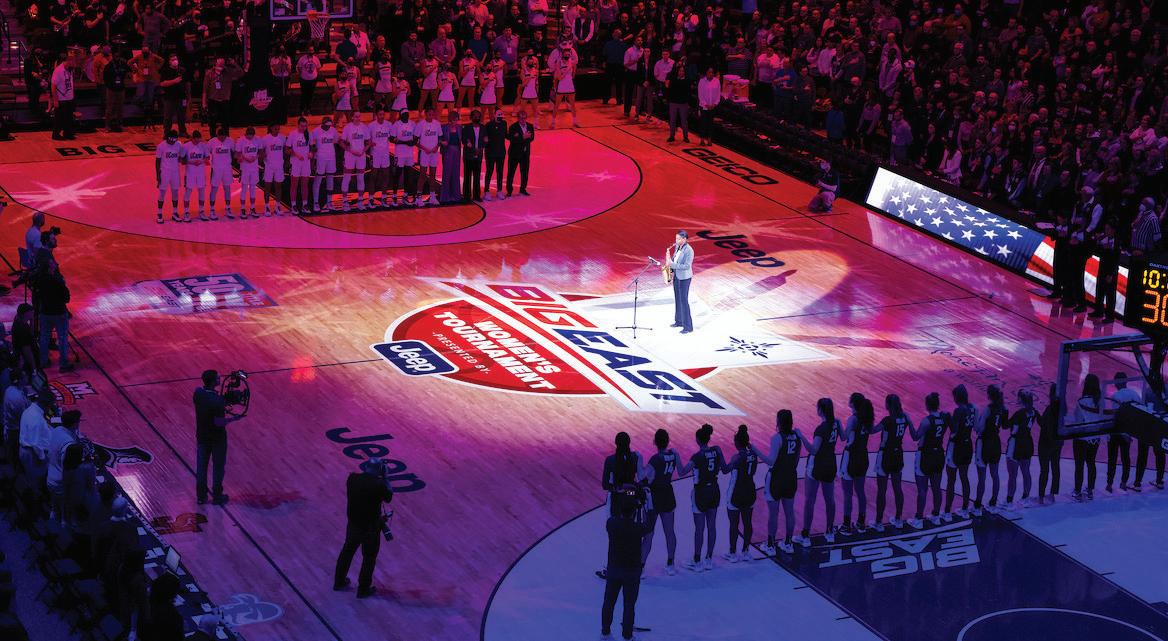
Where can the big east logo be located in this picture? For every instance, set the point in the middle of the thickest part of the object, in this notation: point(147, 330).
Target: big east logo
point(523, 338)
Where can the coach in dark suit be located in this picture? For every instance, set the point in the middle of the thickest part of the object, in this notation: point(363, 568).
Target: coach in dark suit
point(521, 134)
point(474, 139)
point(496, 153)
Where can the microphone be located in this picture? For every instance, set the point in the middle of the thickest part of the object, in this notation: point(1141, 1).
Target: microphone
point(655, 262)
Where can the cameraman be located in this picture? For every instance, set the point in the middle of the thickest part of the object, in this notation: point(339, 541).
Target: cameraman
point(625, 534)
point(211, 436)
point(53, 296)
point(366, 492)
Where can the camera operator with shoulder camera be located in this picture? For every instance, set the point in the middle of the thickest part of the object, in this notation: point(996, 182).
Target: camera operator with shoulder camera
point(625, 536)
point(211, 422)
point(366, 490)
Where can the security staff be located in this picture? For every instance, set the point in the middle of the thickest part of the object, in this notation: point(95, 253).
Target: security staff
point(366, 492)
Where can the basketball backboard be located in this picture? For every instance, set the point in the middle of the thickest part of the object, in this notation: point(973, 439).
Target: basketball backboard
point(298, 9)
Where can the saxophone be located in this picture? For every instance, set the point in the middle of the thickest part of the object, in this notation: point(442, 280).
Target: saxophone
point(666, 270)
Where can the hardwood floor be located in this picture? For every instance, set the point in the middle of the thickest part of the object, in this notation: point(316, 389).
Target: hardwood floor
point(890, 310)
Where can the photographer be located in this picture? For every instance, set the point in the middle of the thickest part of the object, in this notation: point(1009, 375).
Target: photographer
point(53, 297)
point(211, 436)
point(366, 491)
point(625, 534)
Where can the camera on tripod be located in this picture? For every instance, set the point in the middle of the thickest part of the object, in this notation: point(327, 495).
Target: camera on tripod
point(236, 393)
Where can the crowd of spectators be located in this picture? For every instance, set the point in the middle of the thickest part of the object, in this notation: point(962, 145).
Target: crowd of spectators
point(1026, 103)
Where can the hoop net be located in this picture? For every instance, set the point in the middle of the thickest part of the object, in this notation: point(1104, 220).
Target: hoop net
point(318, 24)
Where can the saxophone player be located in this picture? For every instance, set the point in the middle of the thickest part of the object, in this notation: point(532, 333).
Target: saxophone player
point(679, 257)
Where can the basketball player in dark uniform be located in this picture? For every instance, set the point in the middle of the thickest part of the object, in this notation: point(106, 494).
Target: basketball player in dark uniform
point(821, 471)
point(782, 480)
point(930, 438)
point(706, 463)
point(1020, 448)
point(658, 477)
point(989, 447)
point(854, 463)
point(960, 452)
point(742, 494)
point(890, 460)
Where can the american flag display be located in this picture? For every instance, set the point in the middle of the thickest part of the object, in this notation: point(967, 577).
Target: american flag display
point(993, 237)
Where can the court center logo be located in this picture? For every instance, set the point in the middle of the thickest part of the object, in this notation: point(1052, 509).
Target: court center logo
point(525, 338)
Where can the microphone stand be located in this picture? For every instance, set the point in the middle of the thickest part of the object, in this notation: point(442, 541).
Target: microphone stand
point(636, 283)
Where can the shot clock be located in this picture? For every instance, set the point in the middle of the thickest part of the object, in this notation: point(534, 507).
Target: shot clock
point(1146, 307)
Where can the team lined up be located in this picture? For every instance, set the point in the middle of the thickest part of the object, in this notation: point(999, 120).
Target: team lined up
point(383, 148)
point(947, 444)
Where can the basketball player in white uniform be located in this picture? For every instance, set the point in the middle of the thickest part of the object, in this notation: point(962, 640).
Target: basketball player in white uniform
point(381, 134)
point(221, 149)
point(299, 145)
point(355, 140)
point(168, 157)
point(195, 176)
point(403, 151)
point(324, 140)
point(273, 170)
point(428, 132)
point(247, 153)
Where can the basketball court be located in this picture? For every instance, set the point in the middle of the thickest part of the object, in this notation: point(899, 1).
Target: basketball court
point(497, 423)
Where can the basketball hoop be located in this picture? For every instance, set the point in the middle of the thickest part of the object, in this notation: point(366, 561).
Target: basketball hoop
point(318, 24)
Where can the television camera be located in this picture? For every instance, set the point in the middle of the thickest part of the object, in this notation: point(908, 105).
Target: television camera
point(236, 393)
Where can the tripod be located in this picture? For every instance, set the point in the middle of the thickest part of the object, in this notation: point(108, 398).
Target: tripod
point(636, 283)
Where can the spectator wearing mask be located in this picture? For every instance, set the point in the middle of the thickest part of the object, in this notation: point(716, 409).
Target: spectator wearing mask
point(308, 67)
point(114, 78)
point(147, 68)
point(217, 84)
point(176, 91)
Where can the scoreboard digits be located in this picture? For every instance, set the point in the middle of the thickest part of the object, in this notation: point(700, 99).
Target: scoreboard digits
point(1147, 296)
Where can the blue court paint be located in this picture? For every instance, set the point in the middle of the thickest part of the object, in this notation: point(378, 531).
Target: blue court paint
point(934, 584)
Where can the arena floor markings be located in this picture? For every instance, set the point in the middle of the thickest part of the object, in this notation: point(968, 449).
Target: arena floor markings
point(496, 443)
